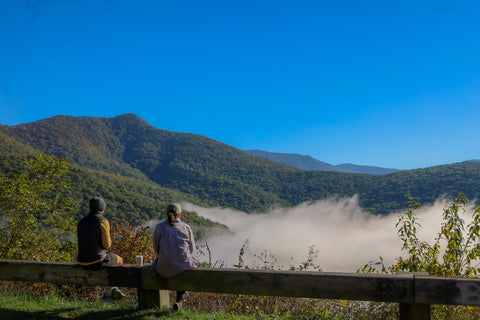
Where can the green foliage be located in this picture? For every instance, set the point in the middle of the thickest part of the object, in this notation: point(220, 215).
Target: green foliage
point(129, 241)
point(146, 167)
point(241, 255)
point(128, 199)
point(16, 304)
point(456, 249)
point(309, 261)
point(268, 261)
point(35, 222)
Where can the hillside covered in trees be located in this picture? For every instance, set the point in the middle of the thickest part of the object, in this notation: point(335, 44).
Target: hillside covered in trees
point(138, 168)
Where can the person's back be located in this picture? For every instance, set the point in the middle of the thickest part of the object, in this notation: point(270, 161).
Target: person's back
point(175, 246)
point(91, 248)
point(93, 236)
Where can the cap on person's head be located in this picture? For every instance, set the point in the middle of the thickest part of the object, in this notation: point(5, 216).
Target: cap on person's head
point(175, 207)
point(97, 204)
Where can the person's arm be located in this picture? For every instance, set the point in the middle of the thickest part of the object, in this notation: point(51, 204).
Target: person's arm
point(155, 240)
point(105, 228)
point(192, 240)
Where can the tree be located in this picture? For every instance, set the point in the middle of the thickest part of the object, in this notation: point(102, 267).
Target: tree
point(36, 223)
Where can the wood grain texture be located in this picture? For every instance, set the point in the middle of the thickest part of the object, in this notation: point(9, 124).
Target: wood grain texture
point(270, 283)
point(442, 290)
point(407, 288)
point(288, 284)
point(68, 273)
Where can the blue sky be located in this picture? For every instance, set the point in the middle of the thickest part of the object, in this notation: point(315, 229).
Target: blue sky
point(386, 83)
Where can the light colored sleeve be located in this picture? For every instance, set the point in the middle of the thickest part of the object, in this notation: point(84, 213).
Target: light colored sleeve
point(192, 240)
point(105, 228)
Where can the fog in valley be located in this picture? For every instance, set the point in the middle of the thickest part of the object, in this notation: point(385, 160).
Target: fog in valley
point(344, 235)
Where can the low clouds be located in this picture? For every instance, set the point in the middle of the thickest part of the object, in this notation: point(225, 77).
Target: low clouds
point(345, 236)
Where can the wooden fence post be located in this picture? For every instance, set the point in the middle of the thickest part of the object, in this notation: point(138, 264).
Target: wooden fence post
point(150, 298)
point(414, 311)
point(164, 298)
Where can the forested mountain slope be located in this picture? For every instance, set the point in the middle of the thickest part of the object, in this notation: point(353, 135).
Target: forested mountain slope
point(216, 174)
point(129, 199)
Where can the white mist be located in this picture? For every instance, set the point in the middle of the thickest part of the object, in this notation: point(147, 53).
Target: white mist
point(345, 236)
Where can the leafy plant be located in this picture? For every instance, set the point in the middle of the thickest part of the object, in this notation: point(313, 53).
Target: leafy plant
point(241, 255)
point(35, 222)
point(129, 241)
point(456, 249)
point(309, 262)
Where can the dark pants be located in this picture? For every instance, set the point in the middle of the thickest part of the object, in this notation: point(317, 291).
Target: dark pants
point(180, 295)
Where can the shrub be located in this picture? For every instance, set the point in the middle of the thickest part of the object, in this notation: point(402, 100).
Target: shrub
point(455, 251)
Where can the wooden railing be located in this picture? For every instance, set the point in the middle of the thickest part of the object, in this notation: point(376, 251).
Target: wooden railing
point(414, 292)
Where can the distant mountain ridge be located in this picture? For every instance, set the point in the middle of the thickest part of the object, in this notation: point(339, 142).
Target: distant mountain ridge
point(310, 163)
point(139, 168)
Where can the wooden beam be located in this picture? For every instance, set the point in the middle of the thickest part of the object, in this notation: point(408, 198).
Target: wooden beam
point(152, 289)
point(69, 273)
point(348, 286)
point(366, 287)
point(411, 289)
point(449, 291)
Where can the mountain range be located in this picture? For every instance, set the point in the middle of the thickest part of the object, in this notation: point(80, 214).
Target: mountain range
point(309, 163)
point(139, 168)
